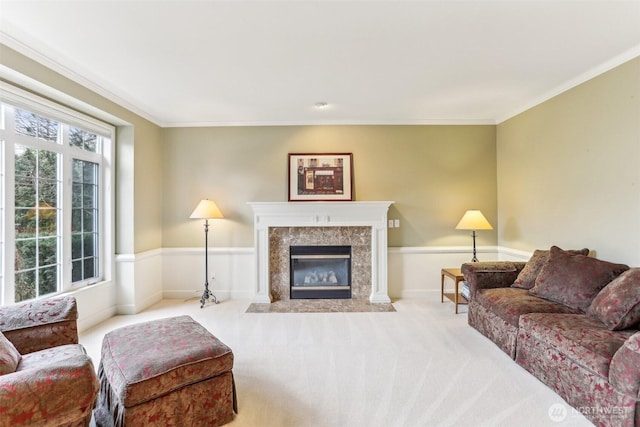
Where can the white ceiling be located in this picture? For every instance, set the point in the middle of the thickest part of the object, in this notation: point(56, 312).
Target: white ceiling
point(196, 63)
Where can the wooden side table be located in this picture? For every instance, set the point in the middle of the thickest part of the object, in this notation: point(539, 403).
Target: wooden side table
point(454, 274)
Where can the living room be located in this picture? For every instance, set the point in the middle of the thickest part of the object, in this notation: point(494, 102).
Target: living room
point(574, 176)
point(562, 169)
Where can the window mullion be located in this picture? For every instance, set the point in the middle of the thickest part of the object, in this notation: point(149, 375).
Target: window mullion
point(64, 220)
point(9, 220)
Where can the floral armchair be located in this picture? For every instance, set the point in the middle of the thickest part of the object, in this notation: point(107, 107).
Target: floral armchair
point(46, 377)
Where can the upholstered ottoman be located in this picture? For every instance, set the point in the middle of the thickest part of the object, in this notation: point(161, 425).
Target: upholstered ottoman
point(168, 372)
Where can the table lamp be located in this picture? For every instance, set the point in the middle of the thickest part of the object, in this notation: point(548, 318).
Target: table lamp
point(473, 220)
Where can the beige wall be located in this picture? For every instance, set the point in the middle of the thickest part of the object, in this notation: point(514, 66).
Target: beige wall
point(148, 192)
point(138, 157)
point(569, 170)
point(565, 172)
point(433, 173)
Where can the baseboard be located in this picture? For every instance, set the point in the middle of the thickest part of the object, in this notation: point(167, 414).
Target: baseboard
point(427, 294)
point(221, 295)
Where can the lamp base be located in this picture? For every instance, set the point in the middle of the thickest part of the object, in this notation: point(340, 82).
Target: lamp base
point(475, 258)
point(206, 295)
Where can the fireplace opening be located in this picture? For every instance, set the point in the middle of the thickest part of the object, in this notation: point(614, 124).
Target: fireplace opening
point(320, 272)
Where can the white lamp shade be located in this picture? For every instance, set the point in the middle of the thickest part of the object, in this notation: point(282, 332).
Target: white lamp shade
point(206, 209)
point(473, 220)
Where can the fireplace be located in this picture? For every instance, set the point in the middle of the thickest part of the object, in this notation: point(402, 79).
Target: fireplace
point(320, 272)
point(363, 225)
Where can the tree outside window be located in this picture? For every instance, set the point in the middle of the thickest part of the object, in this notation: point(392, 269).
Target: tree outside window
point(46, 213)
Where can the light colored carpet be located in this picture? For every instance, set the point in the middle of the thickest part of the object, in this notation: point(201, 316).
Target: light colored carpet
point(419, 366)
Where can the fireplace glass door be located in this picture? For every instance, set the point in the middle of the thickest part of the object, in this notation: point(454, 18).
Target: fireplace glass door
point(320, 272)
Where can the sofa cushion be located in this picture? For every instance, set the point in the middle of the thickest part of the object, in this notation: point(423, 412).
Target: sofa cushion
point(574, 280)
point(9, 356)
point(581, 338)
point(527, 277)
point(50, 356)
point(623, 372)
point(618, 304)
point(510, 303)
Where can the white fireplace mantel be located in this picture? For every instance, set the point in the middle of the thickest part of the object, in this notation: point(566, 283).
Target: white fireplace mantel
point(322, 214)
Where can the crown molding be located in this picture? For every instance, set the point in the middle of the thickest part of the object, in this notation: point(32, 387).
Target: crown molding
point(626, 56)
point(57, 67)
point(433, 122)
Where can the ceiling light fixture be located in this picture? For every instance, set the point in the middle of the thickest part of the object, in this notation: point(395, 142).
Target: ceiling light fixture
point(321, 105)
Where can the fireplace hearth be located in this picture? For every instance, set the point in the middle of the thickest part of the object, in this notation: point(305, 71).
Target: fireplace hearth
point(320, 272)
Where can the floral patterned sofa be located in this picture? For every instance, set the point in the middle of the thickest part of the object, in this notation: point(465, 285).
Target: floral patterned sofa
point(46, 378)
point(570, 320)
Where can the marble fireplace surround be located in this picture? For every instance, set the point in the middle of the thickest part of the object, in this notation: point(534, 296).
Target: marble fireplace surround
point(363, 225)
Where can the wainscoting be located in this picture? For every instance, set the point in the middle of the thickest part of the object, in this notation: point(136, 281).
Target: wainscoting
point(178, 273)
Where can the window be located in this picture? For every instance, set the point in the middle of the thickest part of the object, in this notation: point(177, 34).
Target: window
point(84, 221)
point(54, 203)
point(37, 235)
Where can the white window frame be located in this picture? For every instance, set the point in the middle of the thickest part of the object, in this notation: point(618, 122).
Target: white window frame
point(19, 98)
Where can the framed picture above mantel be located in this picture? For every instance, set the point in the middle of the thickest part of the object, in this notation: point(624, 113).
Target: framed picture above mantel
point(320, 177)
